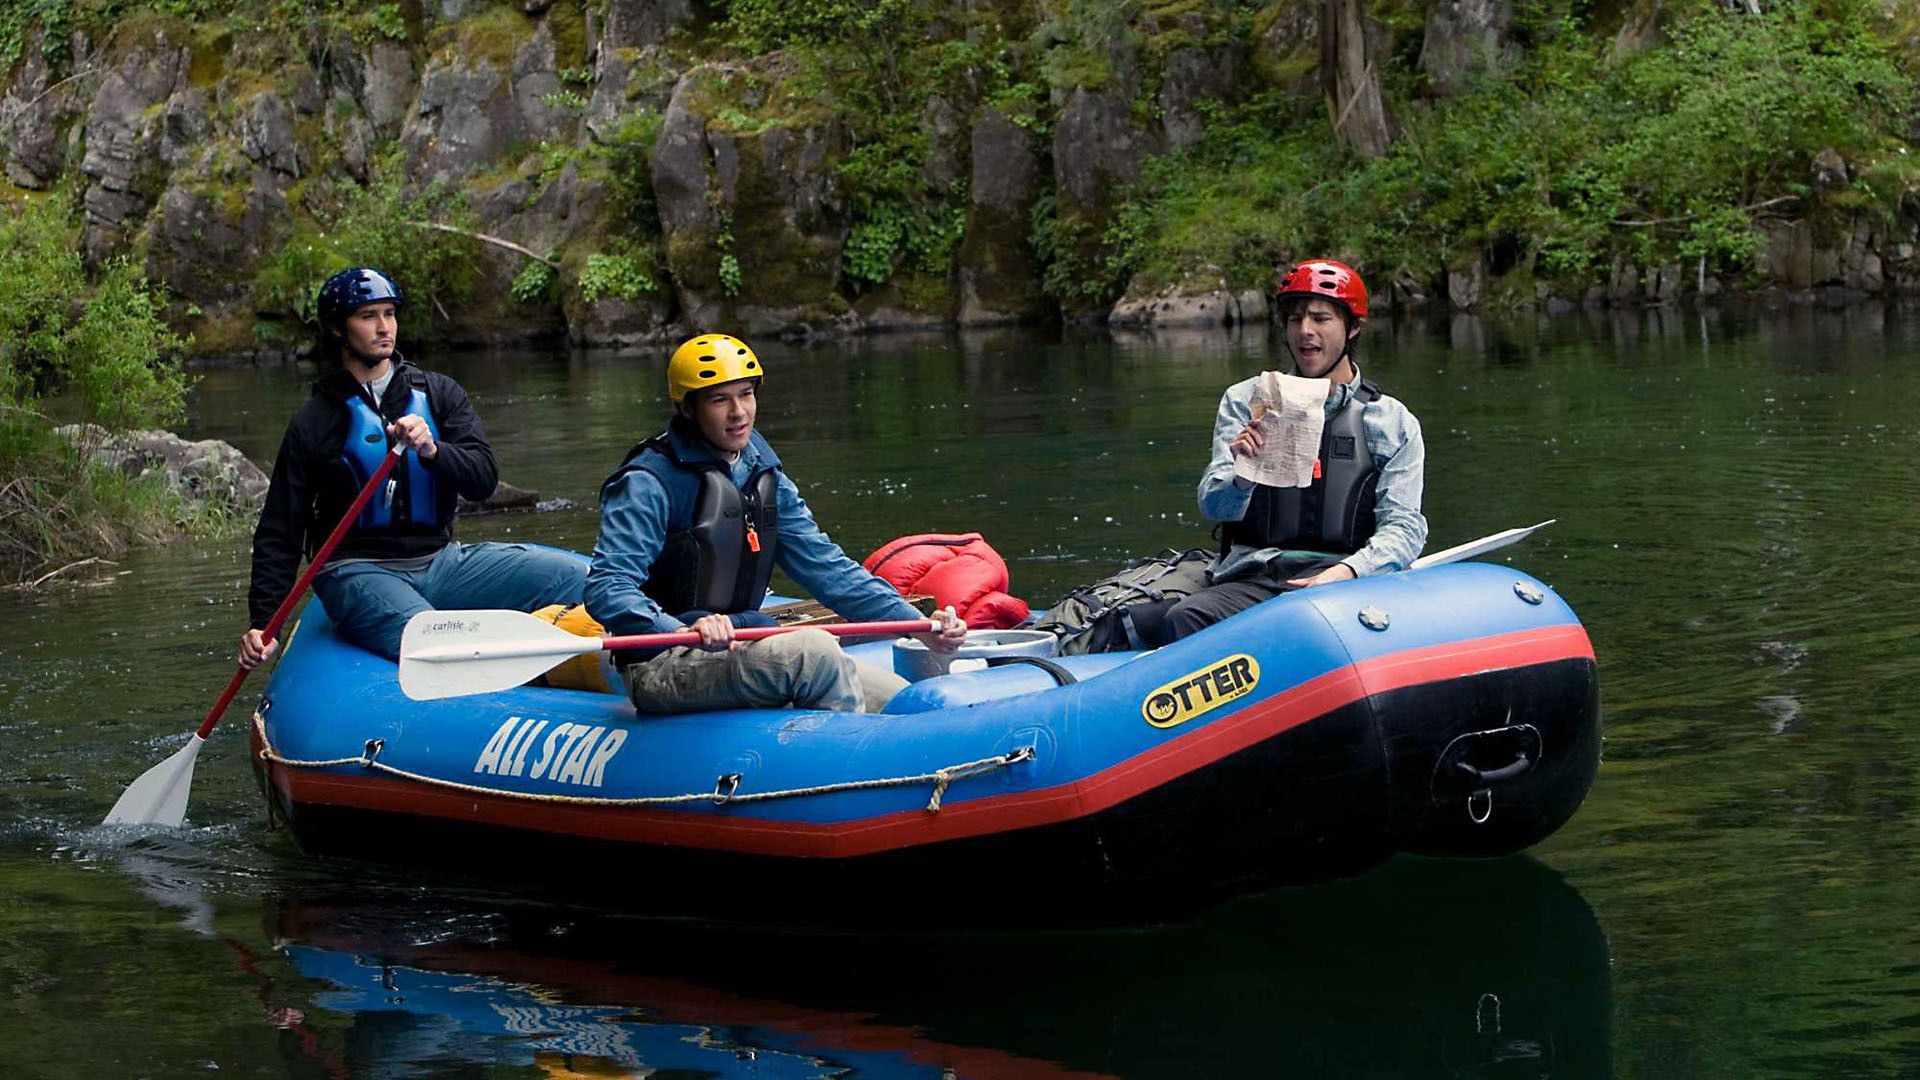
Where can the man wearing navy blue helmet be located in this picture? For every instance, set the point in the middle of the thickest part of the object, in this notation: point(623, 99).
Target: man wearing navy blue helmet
point(399, 558)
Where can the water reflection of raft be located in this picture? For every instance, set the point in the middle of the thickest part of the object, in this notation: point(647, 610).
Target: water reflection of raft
point(1453, 710)
point(1496, 969)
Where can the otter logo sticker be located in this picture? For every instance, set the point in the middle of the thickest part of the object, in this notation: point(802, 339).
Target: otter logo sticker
point(1201, 692)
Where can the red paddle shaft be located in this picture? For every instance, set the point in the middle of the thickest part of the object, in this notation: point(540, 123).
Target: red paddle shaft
point(271, 631)
point(755, 633)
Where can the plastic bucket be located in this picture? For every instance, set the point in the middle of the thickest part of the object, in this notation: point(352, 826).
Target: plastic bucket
point(913, 661)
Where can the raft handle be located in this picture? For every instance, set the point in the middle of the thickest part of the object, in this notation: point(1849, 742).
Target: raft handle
point(1060, 674)
point(1520, 763)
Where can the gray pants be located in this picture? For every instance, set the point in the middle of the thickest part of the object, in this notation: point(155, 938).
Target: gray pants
point(805, 669)
point(1216, 602)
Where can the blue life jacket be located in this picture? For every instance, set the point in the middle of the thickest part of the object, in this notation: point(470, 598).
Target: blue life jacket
point(412, 496)
point(1335, 513)
point(718, 554)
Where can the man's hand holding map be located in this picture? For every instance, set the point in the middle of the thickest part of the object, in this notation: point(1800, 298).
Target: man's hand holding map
point(1289, 413)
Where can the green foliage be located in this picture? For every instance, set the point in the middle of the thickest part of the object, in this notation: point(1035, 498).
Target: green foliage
point(878, 64)
point(380, 225)
point(1553, 170)
point(554, 159)
point(729, 263)
point(71, 348)
point(17, 19)
point(564, 99)
point(739, 122)
point(388, 21)
point(97, 350)
point(627, 151)
point(534, 284)
point(771, 24)
point(627, 276)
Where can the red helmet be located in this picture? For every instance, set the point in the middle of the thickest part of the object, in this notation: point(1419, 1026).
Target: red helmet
point(1329, 280)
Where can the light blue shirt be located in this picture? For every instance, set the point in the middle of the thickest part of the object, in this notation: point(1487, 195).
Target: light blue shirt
point(1399, 452)
point(633, 529)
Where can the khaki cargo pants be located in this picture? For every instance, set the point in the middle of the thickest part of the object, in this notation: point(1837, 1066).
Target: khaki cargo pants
point(805, 669)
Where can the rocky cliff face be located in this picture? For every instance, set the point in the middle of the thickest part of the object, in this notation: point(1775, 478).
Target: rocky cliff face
point(676, 186)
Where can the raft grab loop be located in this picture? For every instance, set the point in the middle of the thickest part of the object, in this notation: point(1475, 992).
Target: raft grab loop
point(1480, 1024)
point(1474, 763)
point(1061, 676)
point(725, 792)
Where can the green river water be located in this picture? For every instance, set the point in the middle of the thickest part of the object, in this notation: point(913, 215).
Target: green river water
point(1736, 501)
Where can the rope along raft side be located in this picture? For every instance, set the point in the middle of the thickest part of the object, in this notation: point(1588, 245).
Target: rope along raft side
point(725, 792)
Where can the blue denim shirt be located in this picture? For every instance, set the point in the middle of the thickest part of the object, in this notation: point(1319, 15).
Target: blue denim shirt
point(1393, 438)
point(633, 529)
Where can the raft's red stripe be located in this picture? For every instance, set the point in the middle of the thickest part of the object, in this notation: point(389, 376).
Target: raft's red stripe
point(1176, 757)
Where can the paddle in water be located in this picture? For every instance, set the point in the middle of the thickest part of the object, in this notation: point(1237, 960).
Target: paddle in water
point(453, 653)
point(159, 796)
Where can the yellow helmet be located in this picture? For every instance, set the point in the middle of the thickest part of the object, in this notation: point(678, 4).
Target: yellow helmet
point(709, 360)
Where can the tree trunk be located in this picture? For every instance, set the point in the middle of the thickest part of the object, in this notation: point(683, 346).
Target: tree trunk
point(1350, 79)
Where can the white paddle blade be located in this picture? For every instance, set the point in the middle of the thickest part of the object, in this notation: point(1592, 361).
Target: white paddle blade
point(450, 653)
point(1473, 549)
point(159, 796)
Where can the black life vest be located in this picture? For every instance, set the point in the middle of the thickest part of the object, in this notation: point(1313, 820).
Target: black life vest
point(721, 540)
point(1334, 514)
point(412, 495)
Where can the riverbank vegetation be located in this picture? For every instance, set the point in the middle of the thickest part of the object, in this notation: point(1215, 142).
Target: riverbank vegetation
point(80, 350)
point(612, 169)
point(1586, 148)
point(1677, 154)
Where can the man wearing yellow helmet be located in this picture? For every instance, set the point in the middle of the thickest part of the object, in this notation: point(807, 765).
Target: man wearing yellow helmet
point(692, 524)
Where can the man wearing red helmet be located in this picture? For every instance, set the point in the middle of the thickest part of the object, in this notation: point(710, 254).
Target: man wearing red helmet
point(1361, 514)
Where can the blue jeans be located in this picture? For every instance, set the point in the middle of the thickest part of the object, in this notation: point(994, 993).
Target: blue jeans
point(370, 604)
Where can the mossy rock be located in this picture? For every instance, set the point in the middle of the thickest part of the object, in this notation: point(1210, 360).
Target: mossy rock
point(488, 36)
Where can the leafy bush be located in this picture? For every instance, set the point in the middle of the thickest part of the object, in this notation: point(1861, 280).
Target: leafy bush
point(534, 284)
point(78, 349)
point(388, 21)
point(879, 63)
point(625, 276)
point(17, 19)
point(564, 99)
point(1670, 155)
point(381, 225)
point(98, 351)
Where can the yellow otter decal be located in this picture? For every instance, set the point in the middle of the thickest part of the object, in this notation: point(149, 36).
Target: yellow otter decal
point(1202, 691)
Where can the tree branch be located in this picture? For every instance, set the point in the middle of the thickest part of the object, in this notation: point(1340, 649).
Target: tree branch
point(51, 89)
point(1650, 222)
point(29, 586)
point(485, 239)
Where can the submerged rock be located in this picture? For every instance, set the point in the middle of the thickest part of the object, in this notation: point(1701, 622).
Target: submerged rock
point(507, 497)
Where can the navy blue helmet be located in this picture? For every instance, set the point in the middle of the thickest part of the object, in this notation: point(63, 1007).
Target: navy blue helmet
point(350, 290)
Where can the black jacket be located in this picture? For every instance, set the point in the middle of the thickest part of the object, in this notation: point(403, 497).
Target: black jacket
point(312, 486)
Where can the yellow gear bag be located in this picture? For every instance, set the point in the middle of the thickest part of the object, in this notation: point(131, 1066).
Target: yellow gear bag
point(591, 671)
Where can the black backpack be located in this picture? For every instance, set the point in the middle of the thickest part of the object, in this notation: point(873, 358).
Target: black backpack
point(1126, 611)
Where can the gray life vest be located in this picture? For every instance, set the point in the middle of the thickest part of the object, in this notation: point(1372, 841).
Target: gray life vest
point(1334, 514)
point(718, 555)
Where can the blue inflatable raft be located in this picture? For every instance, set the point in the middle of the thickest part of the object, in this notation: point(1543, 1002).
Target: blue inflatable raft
point(1451, 710)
